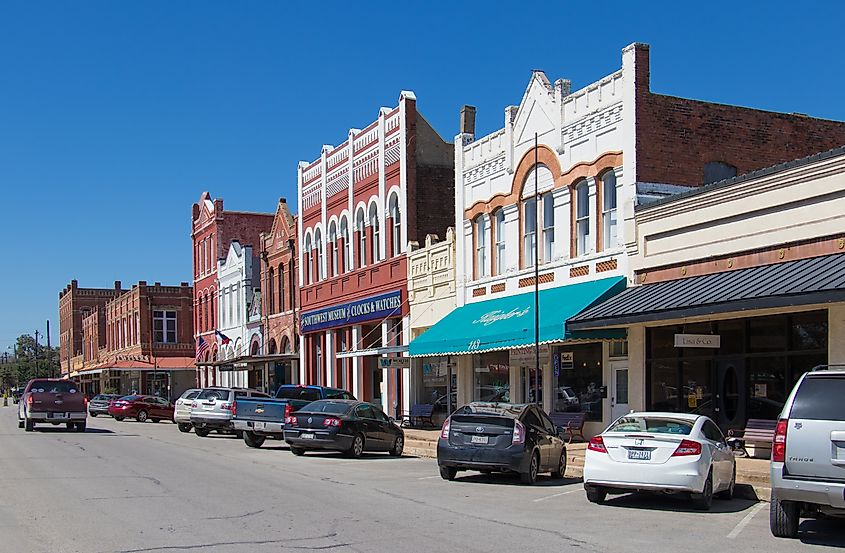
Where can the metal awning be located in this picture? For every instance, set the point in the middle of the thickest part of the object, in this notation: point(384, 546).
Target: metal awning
point(817, 280)
point(254, 360)
point(508, 322)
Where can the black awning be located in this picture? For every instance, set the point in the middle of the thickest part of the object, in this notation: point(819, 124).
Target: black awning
point(816, 280)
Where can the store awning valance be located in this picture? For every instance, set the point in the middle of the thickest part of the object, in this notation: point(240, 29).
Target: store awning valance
point(817, 280)
point(508, 322)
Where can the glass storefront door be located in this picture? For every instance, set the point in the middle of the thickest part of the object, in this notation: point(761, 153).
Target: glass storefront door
point(729, 405)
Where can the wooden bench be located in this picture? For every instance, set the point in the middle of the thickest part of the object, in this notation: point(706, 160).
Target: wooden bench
point(758, 434)
point(420, 413)
point(572, 423)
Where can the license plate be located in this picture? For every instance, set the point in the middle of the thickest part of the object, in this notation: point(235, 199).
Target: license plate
point(307, 436)
point(259, 426)
point(639, 454)
point(55, 415)
point(478, 440)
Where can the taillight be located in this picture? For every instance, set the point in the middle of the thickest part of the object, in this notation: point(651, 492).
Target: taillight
point(29, 400)
point(288, 410)
point(518, 433)
point(291, 420)
point(597, 444)
point(444, 432)
point(331, 421)
point(85, 399)
point(687, 447)
point(234, 408)
point(779, 442)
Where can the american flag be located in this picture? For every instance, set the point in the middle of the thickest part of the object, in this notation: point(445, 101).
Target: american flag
point(202, 347)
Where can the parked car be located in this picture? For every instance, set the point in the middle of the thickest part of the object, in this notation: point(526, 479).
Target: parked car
point(141, 408)
point(54, 401)
point(345, 425)
point(501, 437)
point(808, 452)
point(660, 452)
point(99, 405)
point(260, 418)
point(212, 409)
point(182, 409)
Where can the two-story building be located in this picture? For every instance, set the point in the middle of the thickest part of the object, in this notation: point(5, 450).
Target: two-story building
point(75, 304)
point(544, 209)
point(360, 203)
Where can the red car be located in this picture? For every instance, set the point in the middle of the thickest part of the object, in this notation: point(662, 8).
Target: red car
point(141, 408)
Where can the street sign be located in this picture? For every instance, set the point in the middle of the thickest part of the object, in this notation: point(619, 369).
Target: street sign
point(394, 362)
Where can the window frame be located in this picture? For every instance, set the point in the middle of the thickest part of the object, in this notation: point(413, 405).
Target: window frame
point(500, 246)
point(480, 225)
point(167, 321)
point(581, 240)
point(528, 251)
point(609, 215)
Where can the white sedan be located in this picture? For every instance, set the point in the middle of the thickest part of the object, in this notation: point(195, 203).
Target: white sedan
point(662, 452)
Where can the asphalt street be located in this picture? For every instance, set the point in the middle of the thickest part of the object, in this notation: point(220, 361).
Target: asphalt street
point(132, 487)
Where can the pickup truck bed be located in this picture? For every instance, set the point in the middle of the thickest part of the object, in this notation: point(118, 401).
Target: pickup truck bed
point(261, 418)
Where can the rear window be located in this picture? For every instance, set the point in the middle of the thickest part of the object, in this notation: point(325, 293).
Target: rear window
point(190, 394)
point(511, 411)
point(652, 425)
point(57, 387)
point(214, 394)
point(820, 398)
point(130, 398)
point(332, 407)
point(299, 392)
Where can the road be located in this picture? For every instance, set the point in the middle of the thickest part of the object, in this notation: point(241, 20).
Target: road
point(132, 487)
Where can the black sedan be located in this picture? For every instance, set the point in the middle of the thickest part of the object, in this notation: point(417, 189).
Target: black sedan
point(501, 437)
point(350, 426)
point(99, 404)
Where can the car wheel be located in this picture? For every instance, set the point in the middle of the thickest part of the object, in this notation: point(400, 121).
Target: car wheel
point(80, 426)
point(357, 448)
point(69, 425)
point(398, 446)
point(448, 473)
point(93, 415)
point(142, 416)
point(729, 492)
point(184, 427)
point(239, 434)
point(155, 420)
point(202, 432)
point(298, 451)
point(702, 501)
point(118, 419)
point(783, 518)
point(561, 466)
point(530, 477)
point(252, 439)
point(595, 494)
point(29, 426)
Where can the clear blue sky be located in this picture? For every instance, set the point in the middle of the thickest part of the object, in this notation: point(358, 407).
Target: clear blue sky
point(115, 116)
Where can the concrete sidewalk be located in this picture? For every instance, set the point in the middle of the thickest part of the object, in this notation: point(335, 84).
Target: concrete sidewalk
point(752, 475)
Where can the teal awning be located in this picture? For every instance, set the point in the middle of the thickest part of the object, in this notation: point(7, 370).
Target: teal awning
point(508, 322)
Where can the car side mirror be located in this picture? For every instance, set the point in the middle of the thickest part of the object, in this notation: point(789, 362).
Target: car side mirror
point(392, 420)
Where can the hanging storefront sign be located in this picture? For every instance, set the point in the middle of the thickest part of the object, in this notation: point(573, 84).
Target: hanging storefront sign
point(527, 356)
point(567, 360)
point(698, 341)
point(394, 363)
point(358, 311)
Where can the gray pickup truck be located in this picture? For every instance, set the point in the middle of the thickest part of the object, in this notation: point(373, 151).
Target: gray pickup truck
point(260, 418)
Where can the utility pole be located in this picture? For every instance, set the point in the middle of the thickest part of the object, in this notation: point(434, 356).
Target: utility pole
point(36, 352)
point(537, 236)
point(49, 352)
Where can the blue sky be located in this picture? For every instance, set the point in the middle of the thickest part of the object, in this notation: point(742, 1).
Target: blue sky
point(115, 116)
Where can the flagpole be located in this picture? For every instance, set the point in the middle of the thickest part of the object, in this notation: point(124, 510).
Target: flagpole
point(536, 272)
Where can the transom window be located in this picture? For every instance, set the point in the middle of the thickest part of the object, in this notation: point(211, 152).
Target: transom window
point(164, 327)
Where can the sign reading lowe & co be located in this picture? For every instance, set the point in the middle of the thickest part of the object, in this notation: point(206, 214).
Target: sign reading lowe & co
point(698, 341)
point(367, 309)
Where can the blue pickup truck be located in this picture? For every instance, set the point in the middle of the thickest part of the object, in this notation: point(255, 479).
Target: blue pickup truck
point(262, 418)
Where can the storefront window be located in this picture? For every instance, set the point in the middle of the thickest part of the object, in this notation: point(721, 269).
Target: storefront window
point(664, 385)
point(767, 334)
point(766, 387)
point(696, 381)
point(491, 375)
point(809, 331)
point(579, 387)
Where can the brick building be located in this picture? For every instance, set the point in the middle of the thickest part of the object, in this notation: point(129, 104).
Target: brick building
point(360, 203)
point(212, 230)
point(280, 297)
point(75, 304)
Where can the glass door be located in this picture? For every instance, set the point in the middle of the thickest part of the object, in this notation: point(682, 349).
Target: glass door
point(730, 398)
point(619, 403)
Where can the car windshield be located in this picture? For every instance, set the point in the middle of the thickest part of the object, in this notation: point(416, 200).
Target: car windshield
point(500, 409)
point(325, 406)
point(652, 425)
point(820, 398)
point(298, 392)
point(53, 387)
point(214, 394)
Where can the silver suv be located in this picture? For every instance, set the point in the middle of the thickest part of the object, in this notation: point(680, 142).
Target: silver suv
point(182, 409)
point(212, 408)
point(808, 453)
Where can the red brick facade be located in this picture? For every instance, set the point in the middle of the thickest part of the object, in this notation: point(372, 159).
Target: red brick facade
point(75, 304)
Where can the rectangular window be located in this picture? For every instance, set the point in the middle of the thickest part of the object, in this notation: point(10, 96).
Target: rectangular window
point(608, 214)
point(481, 247)
point(281, 288)
point(548, 227)
point(582, 218)
point(500, 242)
point(529, 232)
point(164, 327)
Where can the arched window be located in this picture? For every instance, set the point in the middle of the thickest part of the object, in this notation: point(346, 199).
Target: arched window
point(318, 244)
point(499, 218)
point(271, 348)
point(362, 238)
point(281, 303)
point(374, 223)
point(529, 231)
point(309, 265)
point(608, 210)
point(582, 218)
point(480, 246)
point(393, 209)
point(333, 247)
point(271, 278)
point(344, 234)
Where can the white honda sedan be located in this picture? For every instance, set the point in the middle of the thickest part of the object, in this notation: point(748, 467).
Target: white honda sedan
point(660, 452)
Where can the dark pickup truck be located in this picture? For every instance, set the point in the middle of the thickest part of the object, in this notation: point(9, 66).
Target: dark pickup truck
point(261, 418)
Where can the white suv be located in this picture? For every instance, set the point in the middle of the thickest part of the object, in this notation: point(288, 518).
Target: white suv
point(808, 453)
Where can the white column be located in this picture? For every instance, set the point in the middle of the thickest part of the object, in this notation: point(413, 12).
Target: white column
point(328, 355)
point(836, 333)
point(636, 367)
point(385, 391)
point(515, 382)
point(406, 374)
point(302, 354)
point(357, 365)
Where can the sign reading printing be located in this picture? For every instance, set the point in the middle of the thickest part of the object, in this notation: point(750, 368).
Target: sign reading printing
point(368, 309)
point(698, 341)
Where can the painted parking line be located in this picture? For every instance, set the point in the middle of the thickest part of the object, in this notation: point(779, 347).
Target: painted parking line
point(544, 498)
point(428, 477)
point(745, 520)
